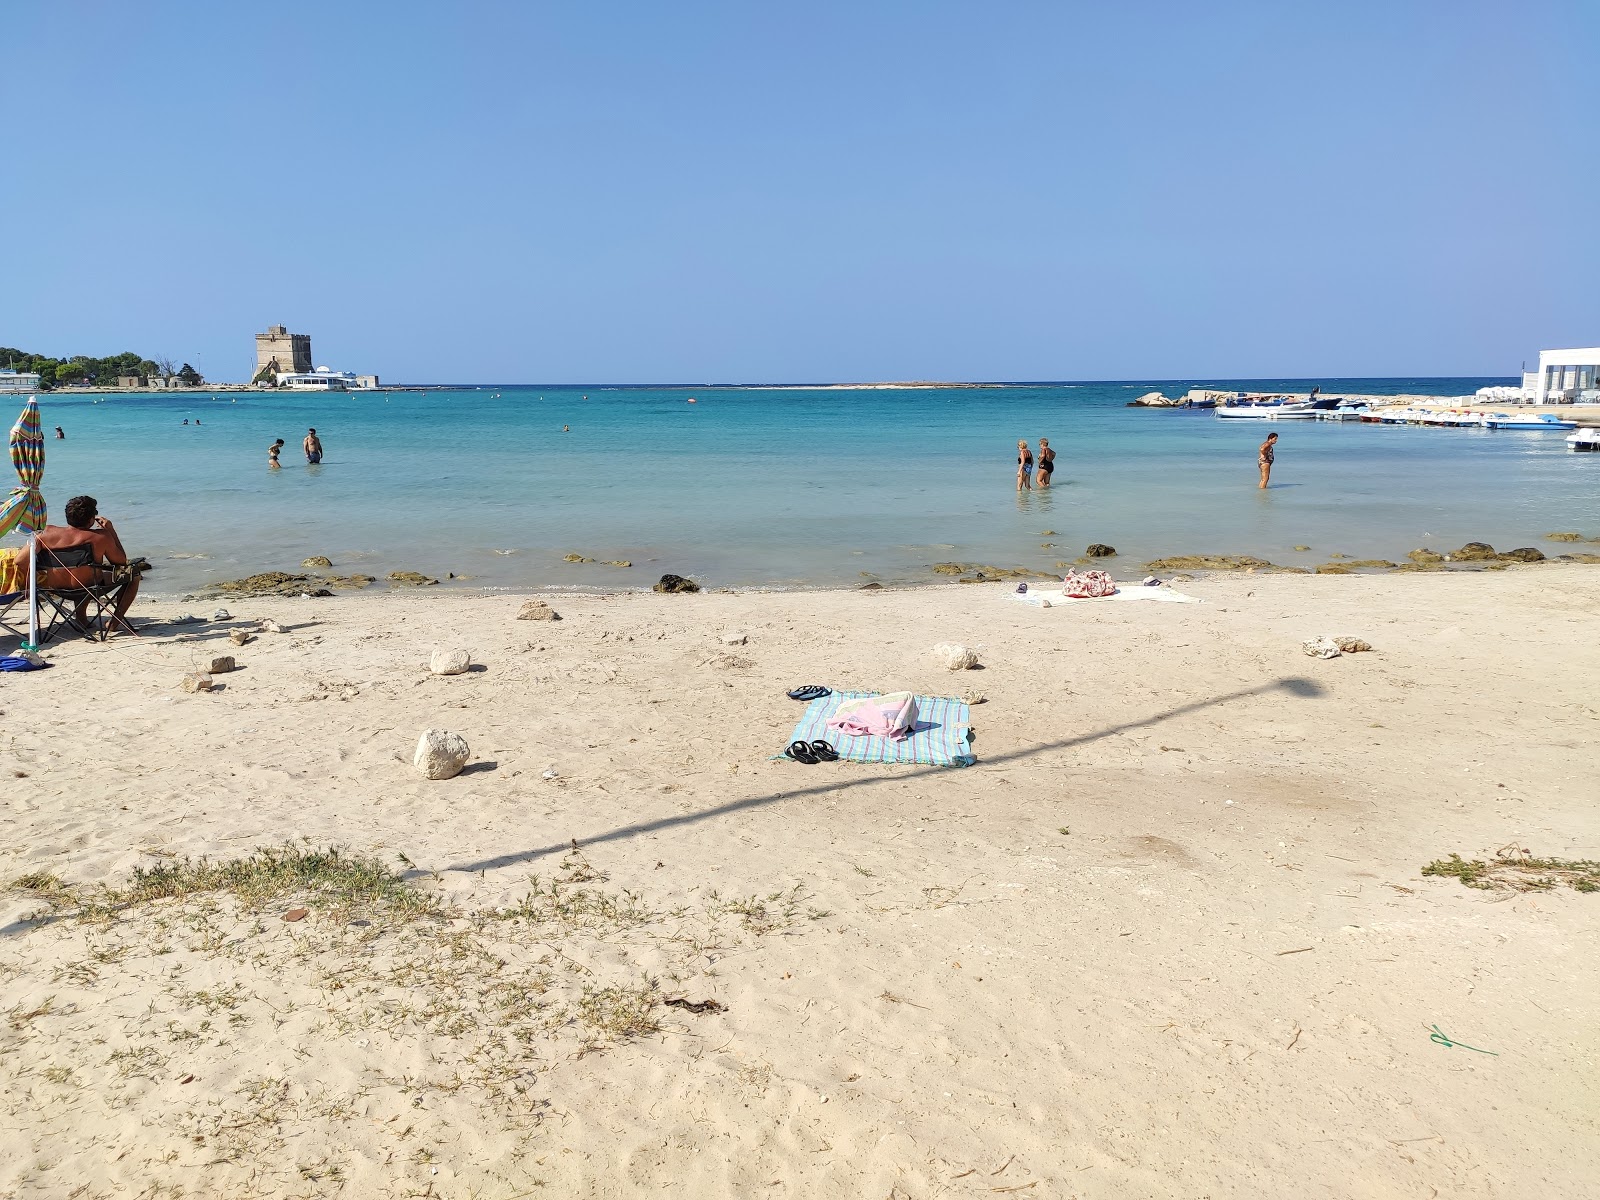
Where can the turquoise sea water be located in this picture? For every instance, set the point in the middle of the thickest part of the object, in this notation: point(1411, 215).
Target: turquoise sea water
point(784, 487)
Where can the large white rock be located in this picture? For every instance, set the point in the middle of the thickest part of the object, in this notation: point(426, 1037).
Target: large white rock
point(449, 662)
point(955, 656)
point(440, 754)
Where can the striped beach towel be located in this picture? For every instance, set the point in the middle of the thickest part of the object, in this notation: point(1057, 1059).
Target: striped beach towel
point(942, 738)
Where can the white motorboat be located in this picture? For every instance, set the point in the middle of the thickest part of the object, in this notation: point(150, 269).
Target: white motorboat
point(1539, 421)
point(1585, 439)
point(1289, 410)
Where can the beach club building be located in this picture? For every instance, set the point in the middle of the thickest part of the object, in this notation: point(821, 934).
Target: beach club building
point(18, 381)
point(1566, 377)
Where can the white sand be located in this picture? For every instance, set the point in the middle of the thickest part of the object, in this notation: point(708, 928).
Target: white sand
point(1168, 939)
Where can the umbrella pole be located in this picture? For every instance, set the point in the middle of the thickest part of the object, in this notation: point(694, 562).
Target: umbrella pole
point(33, 591)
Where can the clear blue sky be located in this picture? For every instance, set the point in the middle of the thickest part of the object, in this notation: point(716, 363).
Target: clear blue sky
point(809, 191)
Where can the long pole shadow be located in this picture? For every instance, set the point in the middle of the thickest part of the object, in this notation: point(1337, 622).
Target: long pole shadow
point(1297, 686)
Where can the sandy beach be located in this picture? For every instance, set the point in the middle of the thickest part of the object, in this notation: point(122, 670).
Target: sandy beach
point(1168, 938)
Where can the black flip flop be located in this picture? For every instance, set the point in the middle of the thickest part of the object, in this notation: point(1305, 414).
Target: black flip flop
point(801, 752)
point(811, 691)
point(824, 752)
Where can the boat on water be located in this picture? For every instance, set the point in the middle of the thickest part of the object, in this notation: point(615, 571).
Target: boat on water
point(1502, 420)
point(1583, 440)
point(1282, 410)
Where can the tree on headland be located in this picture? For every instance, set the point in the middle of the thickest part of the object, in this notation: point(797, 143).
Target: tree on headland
point(190, 377)
point(61, 372)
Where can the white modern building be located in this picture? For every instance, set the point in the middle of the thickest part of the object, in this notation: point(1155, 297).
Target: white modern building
point(18, 381)
point(1566, 377)
point(326, 379)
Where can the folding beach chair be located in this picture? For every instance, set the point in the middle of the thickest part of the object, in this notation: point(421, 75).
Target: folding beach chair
point(8, 601)
point(13, 591)
point(97, 593)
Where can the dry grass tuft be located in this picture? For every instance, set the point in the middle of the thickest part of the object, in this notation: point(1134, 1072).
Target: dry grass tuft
point(1519, 871)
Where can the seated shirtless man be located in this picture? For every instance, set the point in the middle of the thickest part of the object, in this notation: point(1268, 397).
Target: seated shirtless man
point(85, 527)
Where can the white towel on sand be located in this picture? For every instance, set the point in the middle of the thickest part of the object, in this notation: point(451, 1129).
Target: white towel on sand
point(1125, 591)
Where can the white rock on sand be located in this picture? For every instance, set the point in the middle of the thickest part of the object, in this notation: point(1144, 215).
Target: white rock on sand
point(450, 662)
point(1169, 938)
point(440, 754)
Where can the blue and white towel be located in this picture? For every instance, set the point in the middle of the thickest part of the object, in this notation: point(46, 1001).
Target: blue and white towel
point(942, 737)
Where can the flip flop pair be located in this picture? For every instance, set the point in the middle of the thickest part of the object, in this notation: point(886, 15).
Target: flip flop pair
point(811, 691)
point(812, 753)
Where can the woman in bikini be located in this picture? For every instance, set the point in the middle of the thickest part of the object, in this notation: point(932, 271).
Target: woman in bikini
point(1024, 466)
point(1047, 462)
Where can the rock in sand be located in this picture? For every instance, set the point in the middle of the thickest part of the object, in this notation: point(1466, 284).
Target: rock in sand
point(1321, 647)
point(675, 583)
point(538, 610)
point(955, 657)
point(440, 754)
point(449, 662)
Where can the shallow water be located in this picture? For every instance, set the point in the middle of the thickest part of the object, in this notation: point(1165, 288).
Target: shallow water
point(781, 487)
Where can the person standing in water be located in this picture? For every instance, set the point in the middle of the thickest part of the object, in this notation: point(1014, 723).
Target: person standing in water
point(1265, 457)
point(313, 445)
point(272, 454)
point(1047, 462)
point(60, 437)
point(1024, 467)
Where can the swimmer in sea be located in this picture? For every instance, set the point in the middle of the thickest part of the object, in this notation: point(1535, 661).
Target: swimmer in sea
point(272, 455)
point(1024, 467)
point(1047, 462)
point(313, 447)
point(60, 437)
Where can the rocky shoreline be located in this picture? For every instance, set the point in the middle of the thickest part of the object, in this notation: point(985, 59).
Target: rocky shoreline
point(318, 581)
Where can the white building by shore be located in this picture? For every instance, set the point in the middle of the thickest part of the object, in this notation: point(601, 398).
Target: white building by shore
point(1566, 377)
point(18, 381)
point(326, 379)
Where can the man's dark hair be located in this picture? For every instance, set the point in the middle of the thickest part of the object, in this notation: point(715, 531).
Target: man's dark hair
point(311, 430)
point(81, 511)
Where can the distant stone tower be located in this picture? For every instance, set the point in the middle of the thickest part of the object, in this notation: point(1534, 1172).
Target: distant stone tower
point(282, 352)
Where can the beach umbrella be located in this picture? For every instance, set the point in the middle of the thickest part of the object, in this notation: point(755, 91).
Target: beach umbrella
point(24, 508)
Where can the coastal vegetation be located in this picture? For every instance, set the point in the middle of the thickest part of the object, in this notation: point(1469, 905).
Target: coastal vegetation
point(82, 370)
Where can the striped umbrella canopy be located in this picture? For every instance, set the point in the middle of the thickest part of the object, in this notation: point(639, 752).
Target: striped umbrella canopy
point(24, 508)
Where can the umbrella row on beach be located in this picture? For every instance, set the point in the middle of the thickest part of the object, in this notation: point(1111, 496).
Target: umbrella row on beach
point(24, 508)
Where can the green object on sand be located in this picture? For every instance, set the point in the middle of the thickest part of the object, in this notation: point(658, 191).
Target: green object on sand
point(1438, 1035)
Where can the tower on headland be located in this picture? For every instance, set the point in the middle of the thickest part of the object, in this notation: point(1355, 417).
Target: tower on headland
point(280, 352)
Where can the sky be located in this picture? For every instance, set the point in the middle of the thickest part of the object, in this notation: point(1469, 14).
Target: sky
point(806, 192)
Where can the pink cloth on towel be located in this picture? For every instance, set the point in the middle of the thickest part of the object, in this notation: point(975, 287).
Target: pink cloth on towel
point(892, 716)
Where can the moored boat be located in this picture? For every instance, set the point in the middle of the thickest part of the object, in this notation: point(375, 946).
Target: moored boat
point(1539, 421)
point(1586, 439)
point(1280, 411)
